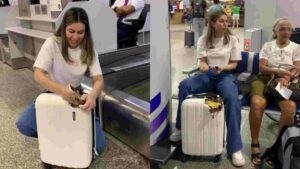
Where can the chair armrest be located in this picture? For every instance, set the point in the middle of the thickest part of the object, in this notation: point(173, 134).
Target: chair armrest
point(134, 23)
point(133, 20)
point(190, 70)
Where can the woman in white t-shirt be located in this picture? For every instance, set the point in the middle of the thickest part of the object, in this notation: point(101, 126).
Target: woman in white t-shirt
point(218, 51)
point(279, 51)
point(63, 60)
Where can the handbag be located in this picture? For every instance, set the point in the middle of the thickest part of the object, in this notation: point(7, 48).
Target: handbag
point(294, 85)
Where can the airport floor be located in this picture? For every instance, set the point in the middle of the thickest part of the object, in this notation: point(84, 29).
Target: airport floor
point(182, 58)
point(17, 90)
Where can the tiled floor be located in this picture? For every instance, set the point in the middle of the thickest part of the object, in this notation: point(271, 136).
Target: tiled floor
point(18, 89)
point(182, 58)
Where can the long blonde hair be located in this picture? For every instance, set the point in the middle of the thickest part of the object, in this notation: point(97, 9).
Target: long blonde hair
point(75, 15)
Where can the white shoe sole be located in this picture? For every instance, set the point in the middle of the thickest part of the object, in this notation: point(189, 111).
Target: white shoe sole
point(175, 139)
point(241, 164)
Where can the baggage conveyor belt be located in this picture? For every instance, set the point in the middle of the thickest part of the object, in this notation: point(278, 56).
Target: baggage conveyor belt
point(125, 102)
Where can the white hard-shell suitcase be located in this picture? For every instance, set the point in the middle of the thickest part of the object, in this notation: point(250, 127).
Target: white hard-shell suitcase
point(65, 133)
point(202, 125)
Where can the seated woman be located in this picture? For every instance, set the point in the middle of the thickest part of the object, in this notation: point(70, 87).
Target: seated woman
point(63, 60)
point(279, 51)
point(218, 49)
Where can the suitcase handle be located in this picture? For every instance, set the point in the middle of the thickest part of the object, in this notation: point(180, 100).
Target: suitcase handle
point(204, 95)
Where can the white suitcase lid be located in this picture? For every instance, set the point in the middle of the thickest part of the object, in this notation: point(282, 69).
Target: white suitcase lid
point(64, 132)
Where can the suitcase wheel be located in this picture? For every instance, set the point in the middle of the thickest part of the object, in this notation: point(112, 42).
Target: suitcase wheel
point(47, 166)
point(185, 158)
point(217, 159)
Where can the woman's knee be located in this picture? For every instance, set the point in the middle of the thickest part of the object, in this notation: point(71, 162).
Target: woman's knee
point(25, 129)
point(184, 84)
point(19, 125)
point(26, 122)
point(185, 87)
point(258, 103)
point(288, 107)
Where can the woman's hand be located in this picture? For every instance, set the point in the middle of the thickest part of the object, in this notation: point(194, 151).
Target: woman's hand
point(283, 82)
point(90, 98)
point(69, 95)
point(90, 102)
point(218, 69)
point(283, 73)
point(295, 73)
point(203, 67)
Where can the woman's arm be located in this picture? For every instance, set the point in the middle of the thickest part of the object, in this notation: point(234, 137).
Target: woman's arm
point(202, 55)
point(98, 84)
point(203, 66)
point(41, 77)
point(295, 72)
point(232, 65)
point(284, 81)
point(265, 69)
point(124, 10)
point(90, 98)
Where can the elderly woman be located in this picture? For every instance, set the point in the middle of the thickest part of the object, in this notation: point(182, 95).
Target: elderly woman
point(279, 51)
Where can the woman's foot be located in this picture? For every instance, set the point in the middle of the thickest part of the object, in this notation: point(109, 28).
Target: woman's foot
point(270, 164)
point(238, 159)
point(255, 156)
point(270, 161)
point(175, 136)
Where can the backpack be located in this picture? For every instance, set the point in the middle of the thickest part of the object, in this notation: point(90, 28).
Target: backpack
point(198, 8)
point(285, 152)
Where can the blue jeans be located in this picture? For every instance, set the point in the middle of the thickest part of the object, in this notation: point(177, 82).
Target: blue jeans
point(225, 85)
point(26, 124)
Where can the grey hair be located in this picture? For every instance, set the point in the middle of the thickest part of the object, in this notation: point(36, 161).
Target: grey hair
point(277, 22)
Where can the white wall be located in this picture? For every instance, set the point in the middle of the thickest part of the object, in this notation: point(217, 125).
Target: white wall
point(4, 11)
point(103, 23)
point(289, 8)
point(262, 14)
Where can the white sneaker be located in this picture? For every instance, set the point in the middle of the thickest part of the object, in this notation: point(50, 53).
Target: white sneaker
point(238, 159)
point(175, 136)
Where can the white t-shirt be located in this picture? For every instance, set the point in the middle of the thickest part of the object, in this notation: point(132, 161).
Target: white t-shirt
point(277, 56)
point(51, 60)
point(221, 54)
point(138, 6)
